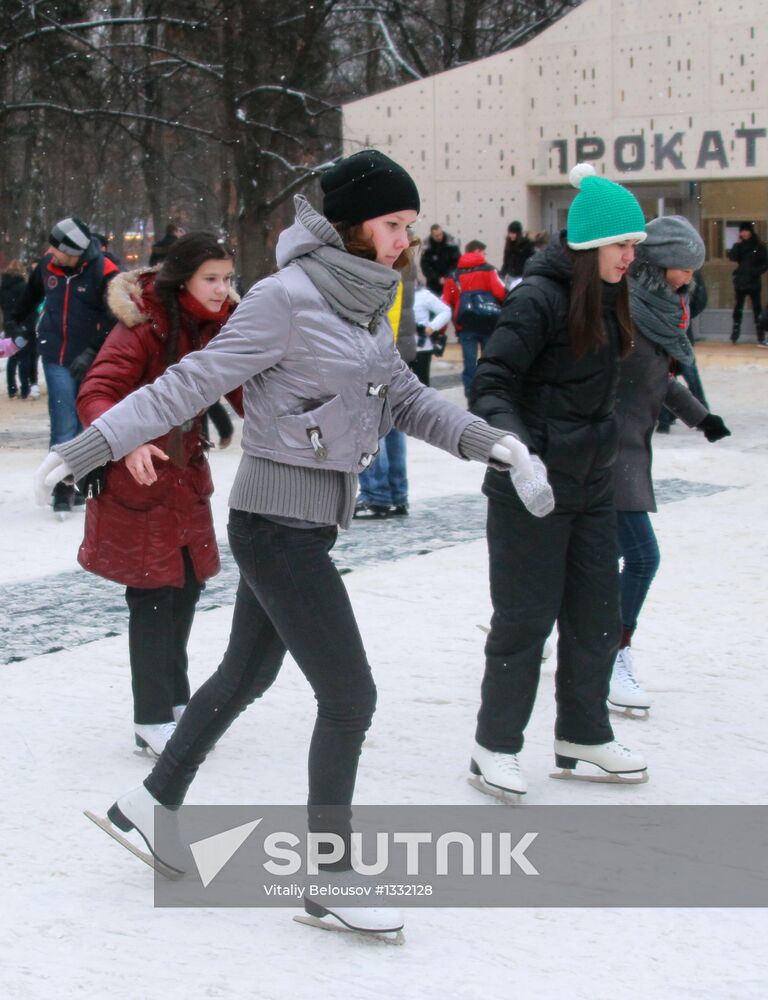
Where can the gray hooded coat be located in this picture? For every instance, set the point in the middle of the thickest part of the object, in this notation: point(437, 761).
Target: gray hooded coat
point(645, 386)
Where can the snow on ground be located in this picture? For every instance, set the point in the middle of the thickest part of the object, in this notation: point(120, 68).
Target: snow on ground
point(77, 917)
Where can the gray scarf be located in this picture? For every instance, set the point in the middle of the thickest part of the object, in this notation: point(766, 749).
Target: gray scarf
point(360, 291)
point(657, 313)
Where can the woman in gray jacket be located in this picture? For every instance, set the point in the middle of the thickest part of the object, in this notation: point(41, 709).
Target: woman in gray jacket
point(659, 287)
point(322, 383)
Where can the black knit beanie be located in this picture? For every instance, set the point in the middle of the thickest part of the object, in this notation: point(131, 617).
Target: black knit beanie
point(366, 185)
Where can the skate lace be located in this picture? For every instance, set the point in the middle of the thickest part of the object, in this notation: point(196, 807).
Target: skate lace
point(624, 669)
point(507, 763)
point(157, 735)
point(620, 749)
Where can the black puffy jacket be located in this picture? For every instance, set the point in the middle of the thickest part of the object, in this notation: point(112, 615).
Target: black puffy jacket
point(439, 258)
point(752, 260)
point(530, 382)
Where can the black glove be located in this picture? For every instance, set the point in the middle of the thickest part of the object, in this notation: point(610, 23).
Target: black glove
point(713, 428)
point(439, 340)
point(80, 365)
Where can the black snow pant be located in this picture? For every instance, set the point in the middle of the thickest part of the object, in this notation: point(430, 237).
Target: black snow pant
point(561, 568)
point(159, 623)
point(290, 598)
point(738, 309)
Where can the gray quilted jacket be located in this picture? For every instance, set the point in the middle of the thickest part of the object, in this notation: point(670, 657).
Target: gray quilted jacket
point(318, 390)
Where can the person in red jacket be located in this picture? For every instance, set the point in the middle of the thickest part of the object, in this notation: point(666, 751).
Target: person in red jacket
point(157, 540)
point(474, 292)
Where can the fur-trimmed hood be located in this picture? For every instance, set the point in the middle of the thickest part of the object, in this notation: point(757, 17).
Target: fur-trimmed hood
point(131, 297)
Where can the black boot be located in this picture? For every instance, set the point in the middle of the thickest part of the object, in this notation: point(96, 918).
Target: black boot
point(370, 511)
point(63, 497)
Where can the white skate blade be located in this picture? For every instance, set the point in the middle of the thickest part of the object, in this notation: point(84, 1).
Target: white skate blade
point(145, 856)
point(332, 924)
point(503, 794)
point(630, 711)
point(604, 777)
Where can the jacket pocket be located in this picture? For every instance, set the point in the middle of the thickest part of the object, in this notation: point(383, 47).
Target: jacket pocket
point(310, 432)
point(123, 489)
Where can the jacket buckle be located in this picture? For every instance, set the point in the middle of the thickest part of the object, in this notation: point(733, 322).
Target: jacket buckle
point(378, 390)
point(366, 459)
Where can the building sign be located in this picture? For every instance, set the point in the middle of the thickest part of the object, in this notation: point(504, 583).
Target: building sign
point(681, 151)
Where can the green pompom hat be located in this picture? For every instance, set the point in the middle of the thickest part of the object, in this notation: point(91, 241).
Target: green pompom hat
point(602, 212)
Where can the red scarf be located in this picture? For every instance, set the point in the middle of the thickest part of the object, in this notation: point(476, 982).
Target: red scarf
point(192, 307)
point(196, 309)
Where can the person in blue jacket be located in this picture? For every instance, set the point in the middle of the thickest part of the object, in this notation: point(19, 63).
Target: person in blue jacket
point(71, 281)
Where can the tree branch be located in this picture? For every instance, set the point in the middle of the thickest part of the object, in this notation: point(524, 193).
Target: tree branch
point(391, 48)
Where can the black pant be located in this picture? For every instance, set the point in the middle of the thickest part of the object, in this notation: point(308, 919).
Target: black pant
point(421, 365)
point(19, 363)
point(290, 597)
point(159, 623)
point(754, 295)
point(563, 568)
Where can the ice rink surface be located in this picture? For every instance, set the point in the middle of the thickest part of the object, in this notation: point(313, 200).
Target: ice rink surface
point(77, 917)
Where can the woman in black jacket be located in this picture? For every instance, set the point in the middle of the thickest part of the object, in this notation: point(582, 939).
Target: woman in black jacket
point(751, 257)
point(13, 283)
point(549, 375)
point(517, 249)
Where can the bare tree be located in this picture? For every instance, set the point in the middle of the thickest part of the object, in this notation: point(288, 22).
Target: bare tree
point(409, 41)
point(213, 111)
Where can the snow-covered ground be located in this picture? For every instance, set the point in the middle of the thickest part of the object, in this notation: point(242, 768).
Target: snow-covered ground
point(76, 912)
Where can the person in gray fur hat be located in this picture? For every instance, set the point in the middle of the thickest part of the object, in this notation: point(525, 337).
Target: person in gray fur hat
point(659, 291)
point(673, 241)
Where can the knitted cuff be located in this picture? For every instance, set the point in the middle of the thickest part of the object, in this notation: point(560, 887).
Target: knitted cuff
point(477, 440)
point(87, 451)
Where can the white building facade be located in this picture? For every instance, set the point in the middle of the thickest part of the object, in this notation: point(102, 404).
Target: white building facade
point(669, 97)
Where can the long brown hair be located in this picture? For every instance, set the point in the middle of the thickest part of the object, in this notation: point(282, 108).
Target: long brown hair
point(362, 246)
point(184, 257)
point(586, 329)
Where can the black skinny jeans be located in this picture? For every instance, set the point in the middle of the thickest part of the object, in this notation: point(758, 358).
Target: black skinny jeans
point(564, 568)
point(290, 597)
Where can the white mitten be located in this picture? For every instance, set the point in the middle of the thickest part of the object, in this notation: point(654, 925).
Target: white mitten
point(536, 493)
point(51, 470)
point(511, 451)
point(528, 475)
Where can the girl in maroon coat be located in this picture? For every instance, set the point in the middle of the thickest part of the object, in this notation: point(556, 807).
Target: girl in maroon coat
point(158, 540)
